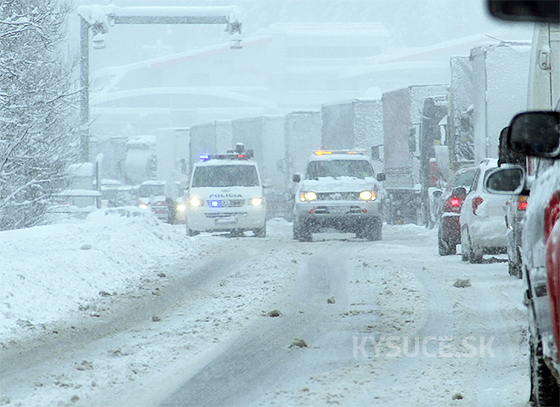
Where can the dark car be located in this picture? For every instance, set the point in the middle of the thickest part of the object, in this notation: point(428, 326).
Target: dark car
point(515, 207)
point(450, 204)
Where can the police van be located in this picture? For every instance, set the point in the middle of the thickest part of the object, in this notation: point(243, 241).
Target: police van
point(226, 194)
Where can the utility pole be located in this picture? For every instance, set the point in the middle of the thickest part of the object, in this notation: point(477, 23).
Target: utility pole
point(98, 19)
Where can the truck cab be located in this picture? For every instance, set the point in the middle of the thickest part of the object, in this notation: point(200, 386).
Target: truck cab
point(338, 191)
point(225, 193)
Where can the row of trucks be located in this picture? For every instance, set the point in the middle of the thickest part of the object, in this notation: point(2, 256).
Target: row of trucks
point(417, 135)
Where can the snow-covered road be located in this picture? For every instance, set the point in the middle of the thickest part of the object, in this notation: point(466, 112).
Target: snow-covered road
point(156, 318)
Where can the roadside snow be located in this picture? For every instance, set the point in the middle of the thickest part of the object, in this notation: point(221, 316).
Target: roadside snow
point(49, 271)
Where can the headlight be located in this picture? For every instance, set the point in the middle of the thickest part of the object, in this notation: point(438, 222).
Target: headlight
point(307, 196)
point(195, 202)
point(181, 207)
point(368, 196)
point(256, 201)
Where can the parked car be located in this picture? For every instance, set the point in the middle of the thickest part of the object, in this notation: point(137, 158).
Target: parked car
point(449, 210)
point(537, 135)
point(515, 207)
point(151, 195)
point(483, 230)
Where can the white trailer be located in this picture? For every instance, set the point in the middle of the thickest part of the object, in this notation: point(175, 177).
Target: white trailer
point(172, 152)
point(265, 136)
point(209, 138)
point(353, 124)
point(411, 119)
point(302, 132)
point(500, 74)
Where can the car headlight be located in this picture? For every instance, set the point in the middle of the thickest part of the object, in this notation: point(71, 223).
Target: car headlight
point(143, 206)
point(256, 201)
point(368, 196)
point(307, 196)
point(181, 207)
point(195, 202)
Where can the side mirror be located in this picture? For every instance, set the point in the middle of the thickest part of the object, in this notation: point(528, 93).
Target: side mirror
point(381, 176)
point(296, 178)
point(509, 180)
point(541, 11)
point(460, 192)
point(535, 134)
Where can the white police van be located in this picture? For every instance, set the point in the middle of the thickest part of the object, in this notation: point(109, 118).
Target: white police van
point(338, 191)
point(226, 194)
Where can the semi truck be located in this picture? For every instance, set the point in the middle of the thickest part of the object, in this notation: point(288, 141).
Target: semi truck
point(354, 124)
point(302, 136)
point(209, 138)
point(411, 129)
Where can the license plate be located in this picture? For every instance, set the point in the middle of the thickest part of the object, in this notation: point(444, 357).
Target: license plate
point(226, 221)
point(337, 209)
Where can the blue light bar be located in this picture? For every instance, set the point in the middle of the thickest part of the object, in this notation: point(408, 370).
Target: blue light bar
point(214, 203)
point(204, 157)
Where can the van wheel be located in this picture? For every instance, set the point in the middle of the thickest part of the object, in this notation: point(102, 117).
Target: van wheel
point(544, 390)
point(260, 232)
point(474, 256)
point(377, 229)
point(302, 232)
point(445, 248)
point(191, 232)
point(464, 245)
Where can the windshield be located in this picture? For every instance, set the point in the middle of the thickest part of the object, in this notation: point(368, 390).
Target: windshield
point(286, 239)
point(339, 168)
point(146, 191)
point(464, 179)
point(225, 176)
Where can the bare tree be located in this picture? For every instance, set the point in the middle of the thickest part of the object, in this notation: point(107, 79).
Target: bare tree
point(37, 109)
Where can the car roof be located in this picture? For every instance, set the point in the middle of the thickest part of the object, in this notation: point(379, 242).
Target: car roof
point(215, 162)
point(153, 182)
point(487, 163)
point(346, 157)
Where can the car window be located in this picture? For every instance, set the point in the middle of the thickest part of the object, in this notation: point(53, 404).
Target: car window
point(474, 183)
point(225, 176)
point(151, 190)
point(339, 168)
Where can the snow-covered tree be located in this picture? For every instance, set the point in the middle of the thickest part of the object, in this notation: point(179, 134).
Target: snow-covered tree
point(37, 109)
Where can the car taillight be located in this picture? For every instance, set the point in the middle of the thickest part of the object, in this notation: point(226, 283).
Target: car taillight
point(521, 202)
point(476, 203)
point(453, 204)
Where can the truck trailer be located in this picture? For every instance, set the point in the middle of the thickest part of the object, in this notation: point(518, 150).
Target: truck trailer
point(411, 128)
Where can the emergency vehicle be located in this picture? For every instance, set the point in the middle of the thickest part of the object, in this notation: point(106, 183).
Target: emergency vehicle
point(338, 191)
point(226, 194)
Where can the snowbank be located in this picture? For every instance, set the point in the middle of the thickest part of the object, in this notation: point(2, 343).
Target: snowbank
point(49, 271)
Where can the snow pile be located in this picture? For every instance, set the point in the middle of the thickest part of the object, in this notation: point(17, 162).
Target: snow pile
point(49, 271)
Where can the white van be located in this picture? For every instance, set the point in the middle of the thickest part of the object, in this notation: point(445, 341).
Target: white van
point(226, 194)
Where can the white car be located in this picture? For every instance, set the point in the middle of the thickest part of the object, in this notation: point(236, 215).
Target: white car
point(339, 191)
point(483, 226)
point(226, 194)
point(151, 195)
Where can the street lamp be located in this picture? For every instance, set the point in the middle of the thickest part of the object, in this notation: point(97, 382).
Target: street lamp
point(98, 19)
